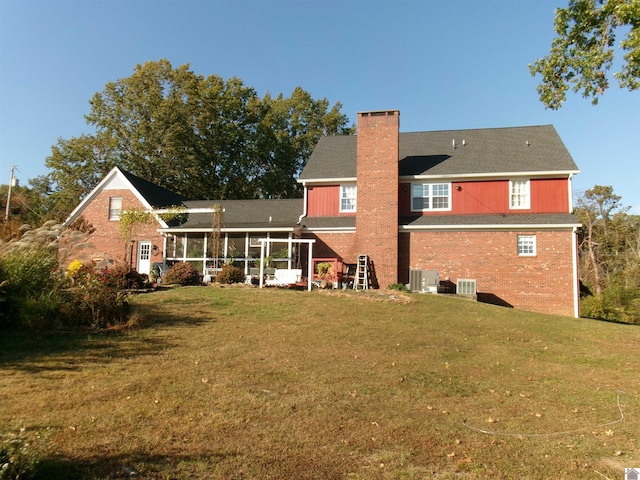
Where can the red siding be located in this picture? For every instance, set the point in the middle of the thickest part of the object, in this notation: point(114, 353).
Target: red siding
point(324, 201)
point(550, 195)
point(492, 196)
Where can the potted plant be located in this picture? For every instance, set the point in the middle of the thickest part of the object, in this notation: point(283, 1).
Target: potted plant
point(325, 274)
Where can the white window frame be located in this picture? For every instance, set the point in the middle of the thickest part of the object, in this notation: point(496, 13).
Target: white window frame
point(348, 198)
point(114, 213)
point(428, 188)
point(519, 194)
point(527, 246)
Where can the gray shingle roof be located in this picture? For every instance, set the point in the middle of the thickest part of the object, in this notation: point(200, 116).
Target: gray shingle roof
point(453, 221)
point(532, 219)
point(246, 214)
point(478, 151)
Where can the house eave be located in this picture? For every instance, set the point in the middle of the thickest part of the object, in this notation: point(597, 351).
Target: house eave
point(492, 176)
point(491, 227)
point(330, 230)
point(230, 230)
point(326, 181)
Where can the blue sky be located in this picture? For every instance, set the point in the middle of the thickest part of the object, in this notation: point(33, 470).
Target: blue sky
point(444, 64)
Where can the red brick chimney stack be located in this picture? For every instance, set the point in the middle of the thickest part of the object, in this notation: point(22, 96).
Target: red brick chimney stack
point(377, 190)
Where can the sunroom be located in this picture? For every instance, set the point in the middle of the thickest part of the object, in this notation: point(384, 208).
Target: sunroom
point(212, 235)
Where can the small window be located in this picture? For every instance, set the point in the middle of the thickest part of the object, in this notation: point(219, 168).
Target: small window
point(348, 197)
point(527, 245)
point(115, 208)
point(430, 196)
point(519, 194)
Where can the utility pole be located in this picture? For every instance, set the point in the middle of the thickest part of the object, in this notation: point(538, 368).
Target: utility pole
point(6, 213)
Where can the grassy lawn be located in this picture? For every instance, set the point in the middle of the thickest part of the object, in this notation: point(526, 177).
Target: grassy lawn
point(240, 383)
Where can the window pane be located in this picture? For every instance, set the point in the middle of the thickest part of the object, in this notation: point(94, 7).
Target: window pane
point(440, 202)
point(115, 208)
point(526, 245)
point(430, 196)
point(520, 194)
point(195, 247)
point(347, 198)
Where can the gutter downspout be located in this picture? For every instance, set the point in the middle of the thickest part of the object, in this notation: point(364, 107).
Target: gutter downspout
point(570, 193)
point(304, 208)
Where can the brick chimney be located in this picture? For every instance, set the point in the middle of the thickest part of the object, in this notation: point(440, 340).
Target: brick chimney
point(377, 190)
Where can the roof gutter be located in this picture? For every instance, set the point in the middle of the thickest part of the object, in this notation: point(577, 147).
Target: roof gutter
point(515, 226)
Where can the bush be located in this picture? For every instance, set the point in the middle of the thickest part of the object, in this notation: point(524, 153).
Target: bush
point(97, 298)
point(30, 282)
point(38, 293)
point(230, 274)
point(182, 274)
point(400, 287)
point(617, 304)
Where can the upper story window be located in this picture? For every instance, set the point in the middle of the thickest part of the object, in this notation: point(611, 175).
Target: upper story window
point(348, 197)
point(527, 245)
point(430, 197)
point(519, 194)
point(115, 208)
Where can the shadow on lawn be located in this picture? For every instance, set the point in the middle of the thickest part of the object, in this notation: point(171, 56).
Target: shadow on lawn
point(73, 350)
point(133, 465)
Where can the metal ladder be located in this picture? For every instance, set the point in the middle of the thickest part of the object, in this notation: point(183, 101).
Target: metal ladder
point(362, 273)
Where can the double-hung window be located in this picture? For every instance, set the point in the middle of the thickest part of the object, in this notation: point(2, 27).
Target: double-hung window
point(430, 197)
point(115, 208)
point(526, 245)
point(348, 197)
point(519, 194)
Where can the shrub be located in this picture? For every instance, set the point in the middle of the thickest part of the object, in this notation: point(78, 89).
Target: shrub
point(98, 297)
point(230, 274)
point(401, 287)
point(182, 274)
point(30, 281)
point(36, 293)
point(617, 304)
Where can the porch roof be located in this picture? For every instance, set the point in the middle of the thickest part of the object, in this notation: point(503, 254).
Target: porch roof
point(241, 215)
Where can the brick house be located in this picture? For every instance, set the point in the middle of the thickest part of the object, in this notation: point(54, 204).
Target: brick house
point(491, 205)
point(119, 191)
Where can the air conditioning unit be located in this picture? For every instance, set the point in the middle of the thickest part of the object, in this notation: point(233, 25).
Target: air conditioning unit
point(424, 281)
point(466, 286)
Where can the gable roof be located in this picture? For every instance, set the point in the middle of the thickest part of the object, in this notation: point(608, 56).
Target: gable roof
point(477, 152)
point(150, 195)
point(156, 197)
point(245, 215)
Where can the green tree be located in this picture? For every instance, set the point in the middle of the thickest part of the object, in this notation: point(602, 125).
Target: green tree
point(204, 138)
point(582, 52)
point(609, 255)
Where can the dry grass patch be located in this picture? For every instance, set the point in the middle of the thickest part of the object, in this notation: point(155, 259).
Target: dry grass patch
point(248, 383)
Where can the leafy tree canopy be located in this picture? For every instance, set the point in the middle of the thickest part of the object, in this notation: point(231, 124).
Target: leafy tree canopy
point(582, 52)
point(202, 137)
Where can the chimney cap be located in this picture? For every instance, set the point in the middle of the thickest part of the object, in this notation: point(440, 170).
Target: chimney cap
point(379, 113)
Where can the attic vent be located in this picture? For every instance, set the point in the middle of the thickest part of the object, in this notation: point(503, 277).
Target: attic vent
point(466, 286)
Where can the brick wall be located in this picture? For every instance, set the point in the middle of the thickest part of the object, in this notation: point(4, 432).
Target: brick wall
point(543, 283)
point(377, 184)
point(107, 240)
point(338, 245)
